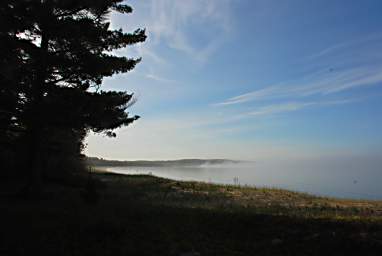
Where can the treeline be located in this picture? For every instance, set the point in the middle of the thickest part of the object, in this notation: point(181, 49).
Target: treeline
point(95, 161)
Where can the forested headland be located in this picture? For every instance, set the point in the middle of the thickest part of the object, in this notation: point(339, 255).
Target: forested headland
point(100, 162)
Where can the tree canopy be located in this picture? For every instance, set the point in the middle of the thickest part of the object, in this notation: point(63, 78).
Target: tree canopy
point(54, 56)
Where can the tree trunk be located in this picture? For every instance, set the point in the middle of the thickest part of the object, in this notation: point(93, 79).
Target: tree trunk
point(35, 128)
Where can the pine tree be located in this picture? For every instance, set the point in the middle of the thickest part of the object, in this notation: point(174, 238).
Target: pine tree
point(54, 56)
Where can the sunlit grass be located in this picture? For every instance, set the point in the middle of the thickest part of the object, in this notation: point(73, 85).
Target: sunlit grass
point(162, 191)
point(146, 215)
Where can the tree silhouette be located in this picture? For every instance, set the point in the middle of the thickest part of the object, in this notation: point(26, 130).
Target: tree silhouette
point(54, 56)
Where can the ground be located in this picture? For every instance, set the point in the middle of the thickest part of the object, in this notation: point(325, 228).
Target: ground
point(146, 215)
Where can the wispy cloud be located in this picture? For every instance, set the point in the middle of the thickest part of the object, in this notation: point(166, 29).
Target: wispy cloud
point(159, 79)
point(322, 84)
point(279, 108)
point(338, 47)
point(168, 23)
point(248, 96)
point(344, 72)
point(146, 51)
point(291, 106)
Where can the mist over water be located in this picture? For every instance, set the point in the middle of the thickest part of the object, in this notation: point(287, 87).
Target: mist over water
point(345, 177)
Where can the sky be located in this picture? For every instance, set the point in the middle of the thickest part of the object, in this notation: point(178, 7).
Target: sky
point(250, 79)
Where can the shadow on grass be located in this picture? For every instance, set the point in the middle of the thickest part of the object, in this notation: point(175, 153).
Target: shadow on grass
point(131, 219)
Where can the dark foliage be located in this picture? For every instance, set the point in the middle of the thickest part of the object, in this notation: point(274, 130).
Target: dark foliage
point(53, 57)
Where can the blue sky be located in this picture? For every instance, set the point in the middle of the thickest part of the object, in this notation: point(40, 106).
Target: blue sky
point(251, 79)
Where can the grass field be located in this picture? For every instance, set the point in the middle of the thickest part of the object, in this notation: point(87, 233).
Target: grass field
point(146, 215)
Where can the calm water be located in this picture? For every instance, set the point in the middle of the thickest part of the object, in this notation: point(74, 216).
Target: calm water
point(348, 178)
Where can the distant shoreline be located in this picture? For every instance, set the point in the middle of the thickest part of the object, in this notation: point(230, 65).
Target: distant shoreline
point(100, 162)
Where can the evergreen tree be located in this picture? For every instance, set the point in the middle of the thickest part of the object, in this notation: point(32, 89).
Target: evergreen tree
point(54, 56)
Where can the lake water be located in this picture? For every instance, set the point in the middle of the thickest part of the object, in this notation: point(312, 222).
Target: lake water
point(347, 178)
